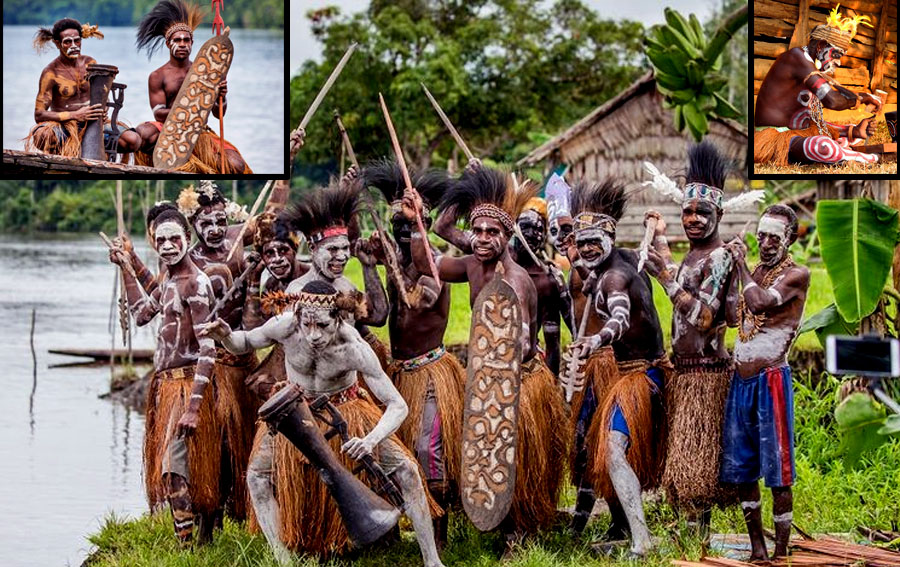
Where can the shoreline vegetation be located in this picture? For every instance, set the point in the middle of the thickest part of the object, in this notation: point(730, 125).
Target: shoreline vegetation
point(827, 499)
point(265, 14)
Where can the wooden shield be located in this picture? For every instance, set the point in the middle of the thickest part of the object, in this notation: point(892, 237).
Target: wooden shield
point(192, 105)
point(491, 405)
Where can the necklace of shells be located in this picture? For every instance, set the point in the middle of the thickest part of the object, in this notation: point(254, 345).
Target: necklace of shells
point(744, 312)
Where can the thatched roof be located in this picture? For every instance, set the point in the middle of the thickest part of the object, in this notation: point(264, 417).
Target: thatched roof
point(644, 85)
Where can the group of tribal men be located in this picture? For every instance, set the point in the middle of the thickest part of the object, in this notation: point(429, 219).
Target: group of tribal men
point(63, 105)
point(704, 426)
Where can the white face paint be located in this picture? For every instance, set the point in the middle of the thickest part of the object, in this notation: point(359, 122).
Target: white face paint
point(773, 237)
point(170, 242)
point(211, 225)
point(594, 247)
point(318, 326)
point(331, 255)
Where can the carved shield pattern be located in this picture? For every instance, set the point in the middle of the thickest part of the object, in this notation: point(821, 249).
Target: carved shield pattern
point(195, 99)
point(491, 405)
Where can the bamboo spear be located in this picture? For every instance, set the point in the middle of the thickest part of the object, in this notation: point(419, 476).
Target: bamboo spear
point(390, 255)
point(459, 141)
point(218, 25)
point(321, 95)
point(123, 297)
point(402, 162)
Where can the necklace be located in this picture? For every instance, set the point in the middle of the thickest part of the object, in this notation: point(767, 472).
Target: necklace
point(744, 313)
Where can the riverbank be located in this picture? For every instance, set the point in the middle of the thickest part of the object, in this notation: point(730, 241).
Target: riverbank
point(827, 499)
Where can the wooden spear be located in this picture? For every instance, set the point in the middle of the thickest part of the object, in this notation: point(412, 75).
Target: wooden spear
point(256, 205)
point(322, 92)
point(400, 160)
point(218, 25)
point(390, 255)
point(459, 141)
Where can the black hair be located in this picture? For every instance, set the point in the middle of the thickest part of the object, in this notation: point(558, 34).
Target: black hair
point(172, 214)
point(486, 185)
point(789, 214)
point(386, 176)
point(706, 165)
point(44, 36)
point(158, 209)
point(334, 205)
point(282, 233)
point(319, 287)
point(606, 197)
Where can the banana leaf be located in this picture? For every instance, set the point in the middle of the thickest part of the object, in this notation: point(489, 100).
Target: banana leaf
point(828, 322)
point(858, 419)
point(857, 240)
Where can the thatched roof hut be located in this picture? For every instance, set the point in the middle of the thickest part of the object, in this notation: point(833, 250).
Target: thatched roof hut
point(871, 61)
point(617, 137)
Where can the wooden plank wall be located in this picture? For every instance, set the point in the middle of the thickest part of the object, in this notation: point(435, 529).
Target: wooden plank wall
point(870, 63)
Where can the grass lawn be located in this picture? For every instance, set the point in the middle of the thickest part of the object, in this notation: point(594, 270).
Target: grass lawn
point(827, 498)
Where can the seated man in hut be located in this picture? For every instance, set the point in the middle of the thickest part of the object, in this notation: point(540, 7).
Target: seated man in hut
point(789, 124)
point(62, 107)
point(174, 22)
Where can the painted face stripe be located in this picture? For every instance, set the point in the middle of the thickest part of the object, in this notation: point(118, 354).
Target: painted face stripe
point(775, 380)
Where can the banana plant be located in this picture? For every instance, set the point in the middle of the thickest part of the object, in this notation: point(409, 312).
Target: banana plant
point(687, 67)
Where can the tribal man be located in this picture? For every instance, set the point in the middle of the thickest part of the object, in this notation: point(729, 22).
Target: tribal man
point(789, 124)
point(701, 290)
point(553, 294)
point(277, 245)
point(327, 218)
point(430, 379)
point(627, 436)
point(62, 108)
point(174, 22)
point(758, 440)
point(182, 441)
point(324, 354)
point(490, 201)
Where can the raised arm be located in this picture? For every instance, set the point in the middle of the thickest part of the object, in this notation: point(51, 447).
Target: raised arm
point(253, 316)
point(198, 296)
point(787, 286)
point(698, 309)
point(143, 305)
point(618, 303)
point(272, 331)
point(445, 227)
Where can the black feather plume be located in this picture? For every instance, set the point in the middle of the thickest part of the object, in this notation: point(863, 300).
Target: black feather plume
point(335, 205)
point(606, 197)
point(706, 165)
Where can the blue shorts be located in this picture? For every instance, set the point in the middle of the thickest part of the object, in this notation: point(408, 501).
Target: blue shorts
point(758, 435)
point(617, 422)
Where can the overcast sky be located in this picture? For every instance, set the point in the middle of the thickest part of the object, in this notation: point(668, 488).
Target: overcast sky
point(650, 12)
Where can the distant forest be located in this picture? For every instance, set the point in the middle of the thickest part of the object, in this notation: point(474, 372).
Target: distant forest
point(237, 13)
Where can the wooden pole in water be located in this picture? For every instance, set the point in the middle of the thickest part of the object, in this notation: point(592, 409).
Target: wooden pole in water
point(33, 371)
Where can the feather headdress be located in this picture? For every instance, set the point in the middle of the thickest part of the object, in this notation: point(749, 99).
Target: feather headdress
point(190, 201)
point(598, 205)
point(325, 212)
point(837, 30)
point(707, 170)
point(386, 176)
point(164, 20)
point(44, 36)
point(483, 191)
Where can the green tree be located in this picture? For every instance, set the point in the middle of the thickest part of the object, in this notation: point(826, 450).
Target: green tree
point(504, 72)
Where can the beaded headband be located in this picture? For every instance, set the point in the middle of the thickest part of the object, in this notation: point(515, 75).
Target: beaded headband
point(587, 221)
point(703, 192)
point(328, 232)
point(308, 300)
point(178, 28)
point(494, 212)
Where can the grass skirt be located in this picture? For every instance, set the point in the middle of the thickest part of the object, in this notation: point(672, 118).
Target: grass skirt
point(695, 405)
point(204, 159)
point(236, 409)
point(448, 378)
point(601, 373)
point(646, 425)
point(310, 521)
point(541, 448)
point(168, 397)
point(62, 138)
point(772, 147)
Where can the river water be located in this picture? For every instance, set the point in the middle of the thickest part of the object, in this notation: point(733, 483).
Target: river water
point(70, 459)
point(254, 122)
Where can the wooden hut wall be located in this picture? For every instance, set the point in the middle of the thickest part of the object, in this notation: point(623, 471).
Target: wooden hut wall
point(640, 129)
point(871, 61)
